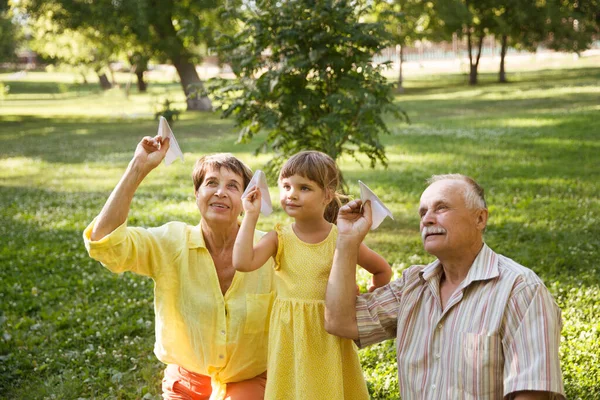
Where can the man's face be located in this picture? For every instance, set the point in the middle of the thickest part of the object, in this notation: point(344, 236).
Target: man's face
point(448, 227)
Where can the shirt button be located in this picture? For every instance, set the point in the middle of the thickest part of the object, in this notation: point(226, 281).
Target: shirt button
point(438, 355)
point(221, 356)
point(439, 326)
point(222, 332)
point(432, 387)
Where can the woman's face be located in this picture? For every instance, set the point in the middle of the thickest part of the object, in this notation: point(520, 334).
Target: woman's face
point(219, 196)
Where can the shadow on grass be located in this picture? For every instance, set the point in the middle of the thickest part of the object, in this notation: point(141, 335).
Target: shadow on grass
point(74, 140)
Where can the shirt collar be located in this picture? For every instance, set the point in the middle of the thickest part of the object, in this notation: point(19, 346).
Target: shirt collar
point(485, 267)
point(195, 238)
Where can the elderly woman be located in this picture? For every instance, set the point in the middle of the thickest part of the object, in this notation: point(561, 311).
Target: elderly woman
point(211, 323)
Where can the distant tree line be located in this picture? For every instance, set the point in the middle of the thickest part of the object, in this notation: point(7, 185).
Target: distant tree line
point(93, 34)
point(303, 68)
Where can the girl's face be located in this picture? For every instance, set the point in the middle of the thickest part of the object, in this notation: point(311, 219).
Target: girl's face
point(302, 198)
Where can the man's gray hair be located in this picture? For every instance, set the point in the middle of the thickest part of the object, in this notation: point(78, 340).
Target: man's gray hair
point(473, 195)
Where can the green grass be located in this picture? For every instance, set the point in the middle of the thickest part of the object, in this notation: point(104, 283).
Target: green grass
point(70, 329)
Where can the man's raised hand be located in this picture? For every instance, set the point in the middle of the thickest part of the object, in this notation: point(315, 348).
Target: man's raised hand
point(354, 220)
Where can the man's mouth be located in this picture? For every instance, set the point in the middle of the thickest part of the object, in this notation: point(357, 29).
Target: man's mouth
point(432, 231)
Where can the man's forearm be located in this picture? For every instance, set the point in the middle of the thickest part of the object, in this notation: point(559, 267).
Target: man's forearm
point(340, 300)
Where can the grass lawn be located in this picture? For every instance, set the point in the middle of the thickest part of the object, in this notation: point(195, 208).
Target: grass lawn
point(69, 329)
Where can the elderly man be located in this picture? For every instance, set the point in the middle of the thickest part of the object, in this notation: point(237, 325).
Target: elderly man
point(473, 324)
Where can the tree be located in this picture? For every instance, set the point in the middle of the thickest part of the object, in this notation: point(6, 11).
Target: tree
point(469, 18)
point(304, 74)
point(77, 48)
point(572, 25)
point(560, 25)
point(8, 34)
point(407, 21)
point(169, 30)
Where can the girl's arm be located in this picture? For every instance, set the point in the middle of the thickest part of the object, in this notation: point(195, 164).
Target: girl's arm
point(376, 265)
point(246, 256)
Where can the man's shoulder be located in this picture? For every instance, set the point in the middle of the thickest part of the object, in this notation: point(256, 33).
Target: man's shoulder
point(521, 275)
point(412, 274)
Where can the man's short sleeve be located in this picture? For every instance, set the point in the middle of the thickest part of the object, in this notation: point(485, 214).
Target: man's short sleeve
point(377, 313)
point(531, 340)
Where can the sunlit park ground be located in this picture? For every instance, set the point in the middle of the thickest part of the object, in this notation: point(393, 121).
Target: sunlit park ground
point(69, 329)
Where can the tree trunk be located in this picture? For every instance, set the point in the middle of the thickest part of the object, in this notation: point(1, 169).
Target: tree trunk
point(112, 76)
point(400, 88)
point(473, 66)
point(188, 76)
point(180, 58)
point(502, 74)
point(104, 82)
point(141, 84)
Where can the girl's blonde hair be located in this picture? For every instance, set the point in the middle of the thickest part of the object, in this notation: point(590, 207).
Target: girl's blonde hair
point(322, 169)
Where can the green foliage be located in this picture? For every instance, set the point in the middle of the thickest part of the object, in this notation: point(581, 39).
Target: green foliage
point(305, 76)
point(170, 114)
point(9, 35)
point(70, 329)
point(169, 31)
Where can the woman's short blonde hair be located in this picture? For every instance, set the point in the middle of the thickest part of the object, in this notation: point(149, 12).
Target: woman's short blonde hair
point(216, 162)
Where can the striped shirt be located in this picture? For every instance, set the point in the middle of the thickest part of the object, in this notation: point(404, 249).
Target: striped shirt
point(499, 332)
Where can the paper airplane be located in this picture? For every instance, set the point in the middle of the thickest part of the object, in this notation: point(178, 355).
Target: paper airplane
point(259, 179)
point(174, 152)
point(379, 210)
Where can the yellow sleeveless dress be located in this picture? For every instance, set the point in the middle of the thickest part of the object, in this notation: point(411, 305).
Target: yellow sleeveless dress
point(306, 362)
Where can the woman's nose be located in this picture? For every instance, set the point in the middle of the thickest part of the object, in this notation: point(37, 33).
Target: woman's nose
point(220, 192)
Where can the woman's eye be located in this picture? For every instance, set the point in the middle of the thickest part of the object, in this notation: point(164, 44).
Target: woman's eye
point(232, 186)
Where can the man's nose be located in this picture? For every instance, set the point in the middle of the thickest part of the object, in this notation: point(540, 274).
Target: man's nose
point(428, 219)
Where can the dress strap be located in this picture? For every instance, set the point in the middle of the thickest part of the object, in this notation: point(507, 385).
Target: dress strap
point(279, 229)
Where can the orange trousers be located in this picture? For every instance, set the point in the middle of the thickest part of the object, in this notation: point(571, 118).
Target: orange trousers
point(181, 384)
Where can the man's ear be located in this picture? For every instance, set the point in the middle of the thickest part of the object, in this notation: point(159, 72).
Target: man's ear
point(481, 219)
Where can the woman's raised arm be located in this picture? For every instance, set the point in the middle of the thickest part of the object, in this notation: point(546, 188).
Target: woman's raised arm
point(148, 155)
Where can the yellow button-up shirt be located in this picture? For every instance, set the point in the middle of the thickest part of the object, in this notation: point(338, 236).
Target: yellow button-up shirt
point(197, 327)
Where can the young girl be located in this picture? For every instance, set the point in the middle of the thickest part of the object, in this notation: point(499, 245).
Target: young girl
point(304, 361)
